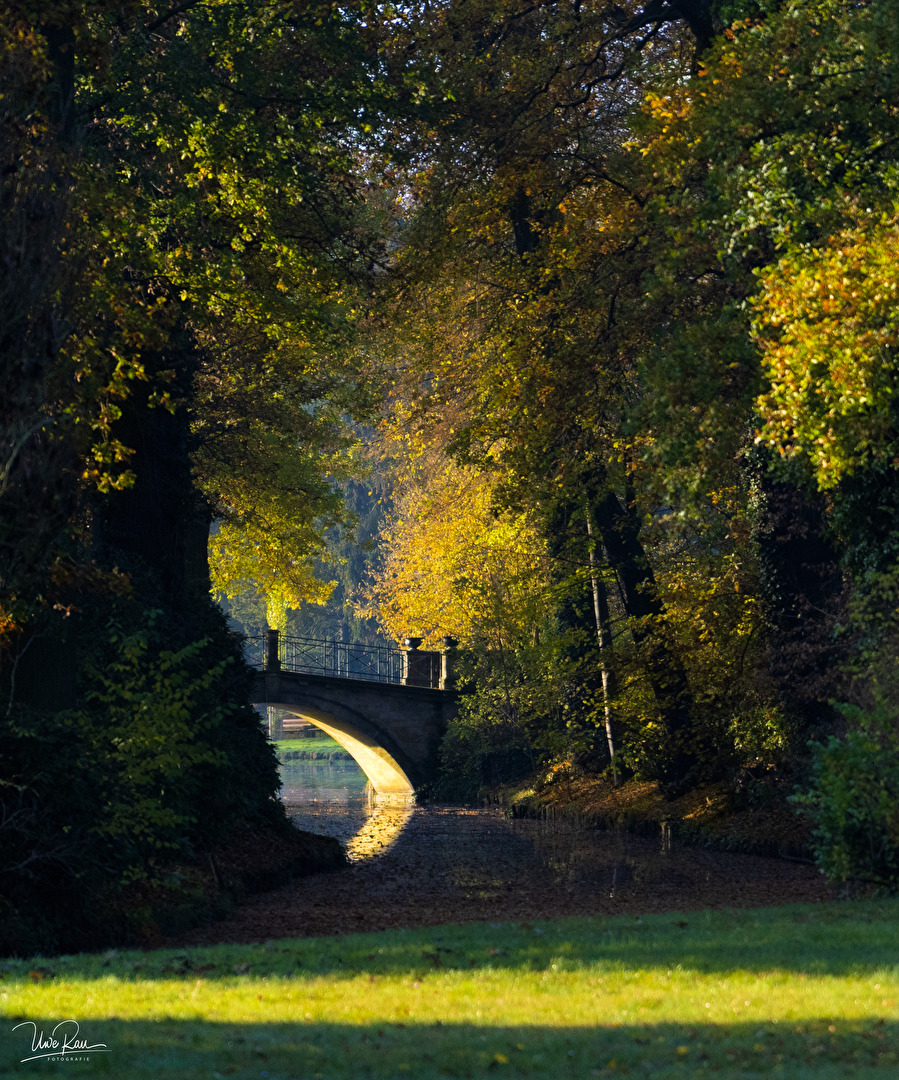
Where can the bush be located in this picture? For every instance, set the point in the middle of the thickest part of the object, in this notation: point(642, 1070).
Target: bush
point(153, 763)
point(853, 799)
point(510, 720)
point(147, 736)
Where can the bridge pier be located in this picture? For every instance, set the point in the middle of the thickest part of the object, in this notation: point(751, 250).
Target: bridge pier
point(272, 659)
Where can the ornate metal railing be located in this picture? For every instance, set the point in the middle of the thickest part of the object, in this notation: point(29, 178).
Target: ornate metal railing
point(411, 666)
point(254, 650)
point(315, 656)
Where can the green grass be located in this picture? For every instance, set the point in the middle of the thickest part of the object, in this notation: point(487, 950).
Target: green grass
point(801, 992)
point(318, 744)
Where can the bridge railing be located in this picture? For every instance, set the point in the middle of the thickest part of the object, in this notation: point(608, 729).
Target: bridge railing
point(272, 651)
point(347, 660)
point(317, 656)
point(254, 650)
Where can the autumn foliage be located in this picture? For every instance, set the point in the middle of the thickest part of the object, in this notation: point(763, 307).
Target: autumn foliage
point(599, 300)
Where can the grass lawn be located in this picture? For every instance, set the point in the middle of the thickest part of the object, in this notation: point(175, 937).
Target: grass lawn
point(806, 991)
point(318, 744)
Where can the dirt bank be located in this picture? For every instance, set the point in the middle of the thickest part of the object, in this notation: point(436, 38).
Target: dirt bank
point(252, 860)
point(756, 819)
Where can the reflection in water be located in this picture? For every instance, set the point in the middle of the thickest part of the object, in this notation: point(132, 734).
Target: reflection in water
point(338, 781)
point(334, 798)
point(379, 833)
point(476, 854)
point(431, 865)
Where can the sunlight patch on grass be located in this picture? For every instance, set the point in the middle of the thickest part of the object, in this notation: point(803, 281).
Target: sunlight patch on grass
point(812, 987)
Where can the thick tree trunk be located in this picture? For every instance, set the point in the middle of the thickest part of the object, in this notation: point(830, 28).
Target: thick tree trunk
point(697, 14)
point(61, 52)
point(619, 528)
point(803, 586)
point(39, 454)
point(161, 523)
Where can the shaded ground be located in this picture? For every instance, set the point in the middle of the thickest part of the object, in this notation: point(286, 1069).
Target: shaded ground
point(252, 860)
point(447, 864)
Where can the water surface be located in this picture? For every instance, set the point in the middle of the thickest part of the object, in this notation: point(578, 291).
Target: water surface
point(439, 864)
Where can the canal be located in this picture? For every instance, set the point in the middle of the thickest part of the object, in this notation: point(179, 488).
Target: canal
point(427, 865)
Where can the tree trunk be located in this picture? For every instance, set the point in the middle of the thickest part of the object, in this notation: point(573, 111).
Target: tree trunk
point(604, 635)
point(802, 583)
point(161, 523)
point(618, 527)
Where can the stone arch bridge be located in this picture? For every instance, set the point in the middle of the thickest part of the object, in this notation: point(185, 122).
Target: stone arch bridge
point(387, 707)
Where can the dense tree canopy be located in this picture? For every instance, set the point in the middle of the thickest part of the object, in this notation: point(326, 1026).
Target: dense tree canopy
point(646, 270)
point(186, 228)
point(611, 290)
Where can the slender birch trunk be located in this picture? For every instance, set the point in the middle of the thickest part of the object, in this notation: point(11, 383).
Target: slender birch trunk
point(604, 634)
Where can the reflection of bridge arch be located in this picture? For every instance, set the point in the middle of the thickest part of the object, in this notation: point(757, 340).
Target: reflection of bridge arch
point(379, 833)
point(392, 731)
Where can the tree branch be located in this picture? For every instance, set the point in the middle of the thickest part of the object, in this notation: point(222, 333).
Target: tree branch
point(179, 10)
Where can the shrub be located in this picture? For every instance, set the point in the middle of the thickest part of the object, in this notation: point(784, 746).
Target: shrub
point(154, 762)
point(853, 799)
point(510, 719)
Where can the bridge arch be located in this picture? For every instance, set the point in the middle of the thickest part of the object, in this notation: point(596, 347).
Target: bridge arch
point(388, 778)
point(393, 732)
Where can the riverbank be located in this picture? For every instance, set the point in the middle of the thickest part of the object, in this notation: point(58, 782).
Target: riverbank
point(317, 748)
point(253, 860)
point(757, 820)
